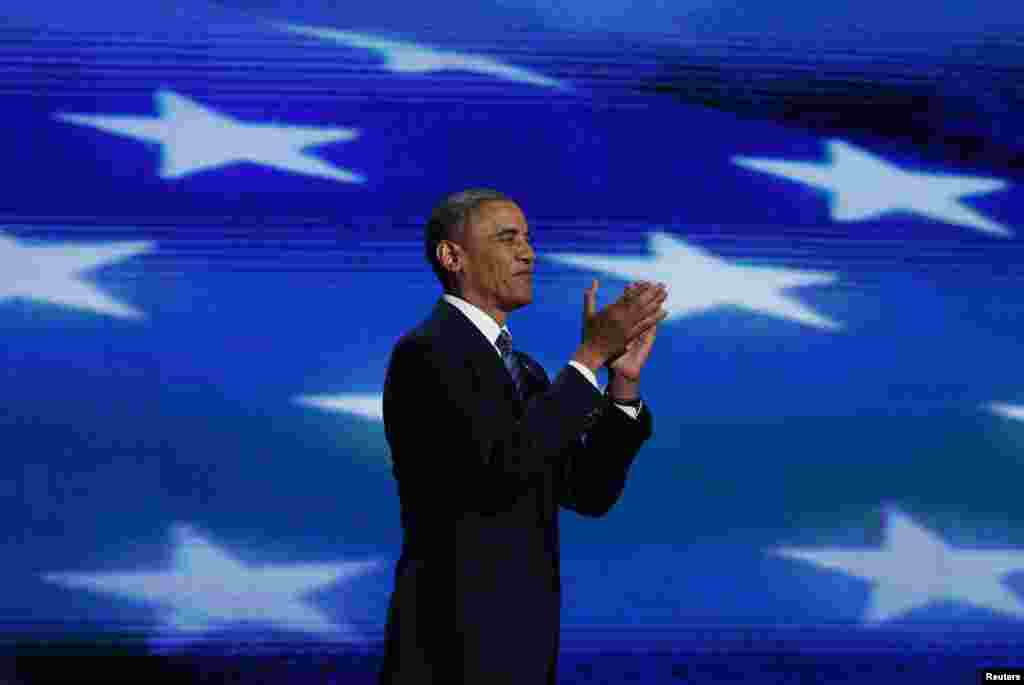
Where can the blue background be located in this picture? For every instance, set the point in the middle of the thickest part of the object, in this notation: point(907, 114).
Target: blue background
point(265, 285)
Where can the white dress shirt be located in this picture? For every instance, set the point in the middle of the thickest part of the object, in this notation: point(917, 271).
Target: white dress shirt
point(491, 330)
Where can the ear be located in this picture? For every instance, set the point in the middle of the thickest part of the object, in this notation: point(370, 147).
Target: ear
point(447, 255)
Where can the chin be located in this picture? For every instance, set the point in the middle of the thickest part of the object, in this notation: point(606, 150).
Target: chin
point(517, 302)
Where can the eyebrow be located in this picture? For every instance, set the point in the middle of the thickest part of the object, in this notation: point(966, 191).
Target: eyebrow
point(505, 230)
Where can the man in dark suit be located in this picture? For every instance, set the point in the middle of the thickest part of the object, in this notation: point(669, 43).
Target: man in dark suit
point(485, 450)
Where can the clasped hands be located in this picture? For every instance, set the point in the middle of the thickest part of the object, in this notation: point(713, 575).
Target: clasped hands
point(621, 335)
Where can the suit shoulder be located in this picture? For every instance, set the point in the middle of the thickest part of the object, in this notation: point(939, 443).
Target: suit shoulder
point(424, 335)
point(420, 345)
point(411, 343)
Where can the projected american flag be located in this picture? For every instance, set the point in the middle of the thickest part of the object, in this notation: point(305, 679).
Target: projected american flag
point(211, 236)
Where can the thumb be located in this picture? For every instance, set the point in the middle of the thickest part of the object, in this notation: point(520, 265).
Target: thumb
point(590, 299)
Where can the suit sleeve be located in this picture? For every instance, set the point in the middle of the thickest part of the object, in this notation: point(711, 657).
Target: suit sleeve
point(594, 473)
point(445, 445)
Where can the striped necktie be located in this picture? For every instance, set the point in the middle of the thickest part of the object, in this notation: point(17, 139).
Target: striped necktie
point(504, 344)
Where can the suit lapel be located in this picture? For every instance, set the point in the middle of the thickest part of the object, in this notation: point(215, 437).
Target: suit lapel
point(534, 377)
point(466, 341)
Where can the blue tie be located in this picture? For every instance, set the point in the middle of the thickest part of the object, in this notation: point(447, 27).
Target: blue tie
point(504, 344)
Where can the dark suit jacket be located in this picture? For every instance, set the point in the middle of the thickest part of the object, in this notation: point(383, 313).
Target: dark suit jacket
point(481, 474)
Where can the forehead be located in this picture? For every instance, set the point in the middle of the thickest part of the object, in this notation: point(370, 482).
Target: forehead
point(494, 215)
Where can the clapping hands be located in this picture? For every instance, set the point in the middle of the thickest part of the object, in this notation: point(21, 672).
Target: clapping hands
point(627, 327)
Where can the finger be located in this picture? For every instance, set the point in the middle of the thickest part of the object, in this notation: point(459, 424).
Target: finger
point(651, 308)
point(646, 339)
point(590, 299)
point(653, 296)
point(642, 299)
point(638, 343)
point(647, 322)
point(649, 293)
point(645, 327)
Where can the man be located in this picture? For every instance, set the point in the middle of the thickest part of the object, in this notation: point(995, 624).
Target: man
point(485, 449)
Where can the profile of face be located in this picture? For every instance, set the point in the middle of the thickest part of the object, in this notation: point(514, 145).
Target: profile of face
point(492, 259)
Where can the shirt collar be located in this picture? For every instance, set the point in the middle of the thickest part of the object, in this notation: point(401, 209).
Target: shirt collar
point(481, 319)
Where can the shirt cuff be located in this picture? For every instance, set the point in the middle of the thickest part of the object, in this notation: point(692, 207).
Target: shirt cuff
point(633, 412)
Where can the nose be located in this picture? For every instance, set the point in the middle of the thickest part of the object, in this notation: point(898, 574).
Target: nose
point(528, 256)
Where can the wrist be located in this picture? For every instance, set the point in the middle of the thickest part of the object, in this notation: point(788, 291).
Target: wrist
point(620, 388)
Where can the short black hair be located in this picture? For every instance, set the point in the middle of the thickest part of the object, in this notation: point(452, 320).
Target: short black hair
point(447, 219)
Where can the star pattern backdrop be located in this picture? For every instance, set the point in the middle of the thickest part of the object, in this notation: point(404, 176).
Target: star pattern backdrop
point(211, 236)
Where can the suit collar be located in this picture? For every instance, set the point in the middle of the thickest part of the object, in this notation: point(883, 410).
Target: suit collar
point(464, 339)
point(487, 326)
point(460, 334)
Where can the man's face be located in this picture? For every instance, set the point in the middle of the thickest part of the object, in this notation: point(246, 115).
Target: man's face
point(496, 259)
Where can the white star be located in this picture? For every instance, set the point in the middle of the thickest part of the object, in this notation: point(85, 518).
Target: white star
point(915, 568)
point(368, 406)
point(863, 186)
point(195, 138)
point(207, 587)
point(698, 281)
point(1010, 411)
point(410, 58)
point(50, 273)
